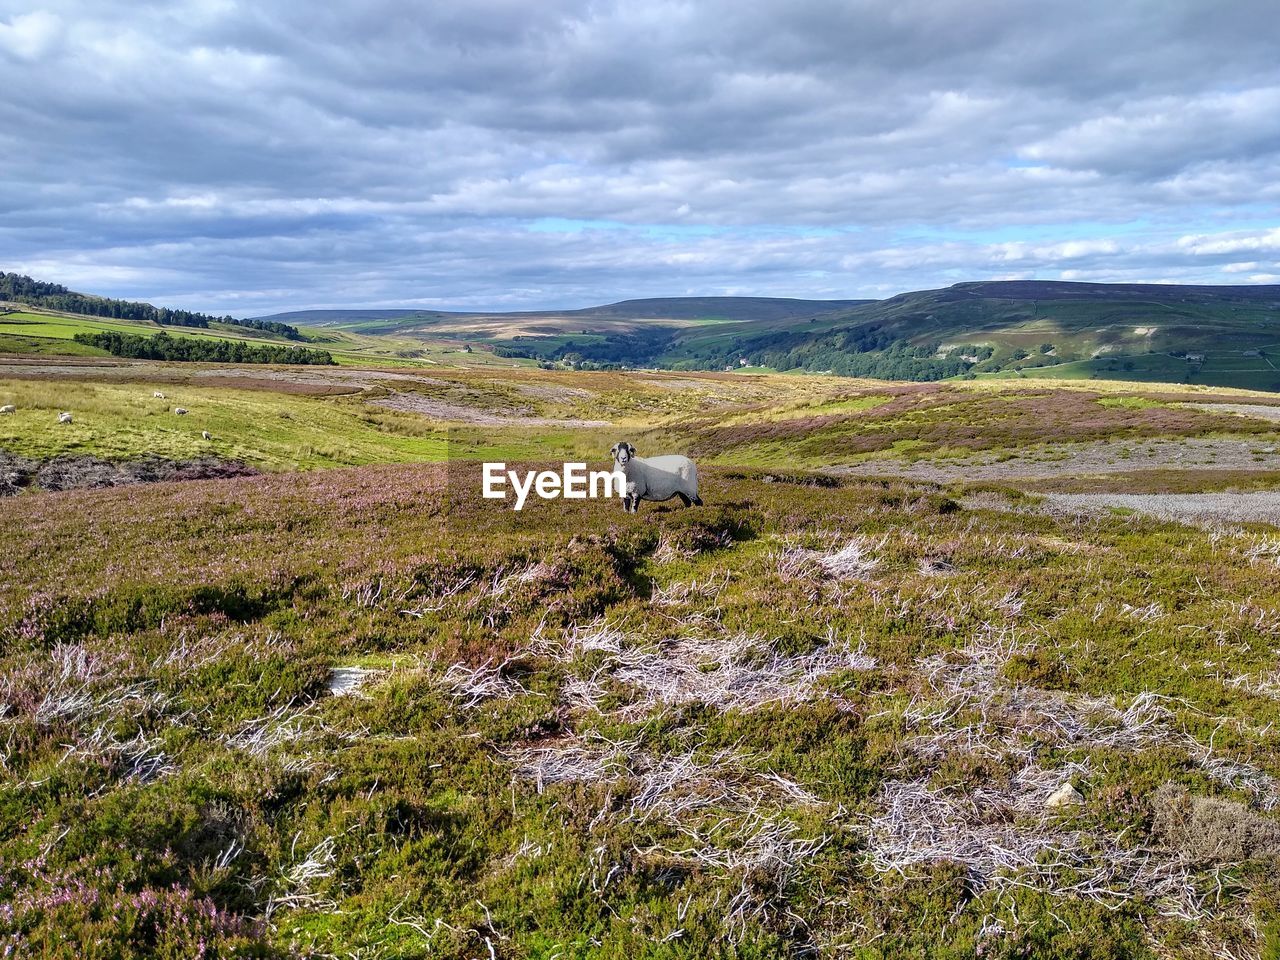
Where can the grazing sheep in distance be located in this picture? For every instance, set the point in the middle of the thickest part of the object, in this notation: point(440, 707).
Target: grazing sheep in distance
point(64, 417)
point(655, 478)
point(8, 408)
point(206, 434)
point(158, 395)
point(180, 411)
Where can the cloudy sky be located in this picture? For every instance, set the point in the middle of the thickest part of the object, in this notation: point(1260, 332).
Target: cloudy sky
point(260, 156)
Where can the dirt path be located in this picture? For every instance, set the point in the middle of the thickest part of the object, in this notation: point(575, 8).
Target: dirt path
point(1084, 459)
point(1259, 410)
point(458, 413)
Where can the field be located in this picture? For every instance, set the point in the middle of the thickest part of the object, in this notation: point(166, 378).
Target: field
point(47, 333)
point(940, 670)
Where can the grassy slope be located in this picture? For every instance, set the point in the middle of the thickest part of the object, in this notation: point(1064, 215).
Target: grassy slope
point(1141, 326)
point(658, 308)
point(729, 418)
point(265, 429)
point(47, 333)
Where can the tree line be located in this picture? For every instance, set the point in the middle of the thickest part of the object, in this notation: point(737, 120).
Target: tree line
point(54, 296)
point(161, 346)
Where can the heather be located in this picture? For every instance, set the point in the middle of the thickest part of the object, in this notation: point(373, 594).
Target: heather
point(350, 712)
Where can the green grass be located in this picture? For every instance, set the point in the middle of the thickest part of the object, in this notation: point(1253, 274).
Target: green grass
point(47, 346)
point(764, 421)
point(1217, 370)
point(50, 334)
point(268, 430)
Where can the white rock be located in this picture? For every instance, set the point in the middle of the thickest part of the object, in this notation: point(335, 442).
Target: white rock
point(348, 680)
point(1065, 796)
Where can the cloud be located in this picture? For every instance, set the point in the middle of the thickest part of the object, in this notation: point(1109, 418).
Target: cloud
point(30, 36)
point(225, 155)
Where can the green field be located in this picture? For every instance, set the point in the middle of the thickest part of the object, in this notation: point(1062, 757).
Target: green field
point(299, 420)
point(263, 429)
point(50, 334)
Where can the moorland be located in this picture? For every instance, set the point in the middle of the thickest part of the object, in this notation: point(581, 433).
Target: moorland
point(978, 667)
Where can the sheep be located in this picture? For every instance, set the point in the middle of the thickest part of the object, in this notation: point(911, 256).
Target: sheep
point(8, 408)
point(180, 411)
point(206, 434)
point(64, 417)
point(655, 478)
point(159, 395)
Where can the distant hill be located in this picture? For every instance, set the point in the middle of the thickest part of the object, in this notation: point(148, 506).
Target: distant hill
point(656, 308)
point(17, 288)
point(1221, 335)
point(1217, 335)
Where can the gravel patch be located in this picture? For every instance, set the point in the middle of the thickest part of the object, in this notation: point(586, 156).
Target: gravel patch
point(1260, 410)
point(554, 393)
point(76, 472)
point(1084, 459)
point(1258, 507)
point(457, 413)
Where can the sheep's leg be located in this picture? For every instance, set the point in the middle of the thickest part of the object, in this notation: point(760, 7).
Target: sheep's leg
point(684, 499)
point(697, 501)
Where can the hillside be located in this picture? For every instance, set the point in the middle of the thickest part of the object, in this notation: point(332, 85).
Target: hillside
point(1224, 336)
point(1110, 331)
point(16, 288)
point(1214, 335)
point(655, 308)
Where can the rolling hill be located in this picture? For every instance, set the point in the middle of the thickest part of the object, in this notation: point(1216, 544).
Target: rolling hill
point(1212, 335)
point(654, 308)
point(1217, 335)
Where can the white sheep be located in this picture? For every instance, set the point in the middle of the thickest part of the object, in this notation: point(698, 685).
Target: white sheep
point(64, 417)
point(8, 408)
point(655, 478)
point(206, 434)
point(159, 395)
point(180, 411)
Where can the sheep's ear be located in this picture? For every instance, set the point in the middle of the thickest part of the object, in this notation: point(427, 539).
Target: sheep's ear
point(631, 449)
point(613, 451)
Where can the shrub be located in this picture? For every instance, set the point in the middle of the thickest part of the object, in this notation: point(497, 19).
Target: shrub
point(1211, 828)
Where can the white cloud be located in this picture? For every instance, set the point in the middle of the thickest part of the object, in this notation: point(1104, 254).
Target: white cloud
point(30, 36)
point(268, 154)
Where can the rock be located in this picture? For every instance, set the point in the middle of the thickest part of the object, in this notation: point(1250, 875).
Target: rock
point(1065, 796)
point(348, 680)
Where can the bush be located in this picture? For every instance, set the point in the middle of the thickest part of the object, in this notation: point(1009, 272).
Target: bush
point(1210, 828)
point(164, 347)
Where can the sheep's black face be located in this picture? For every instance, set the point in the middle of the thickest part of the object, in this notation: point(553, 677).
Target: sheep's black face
point(622, 452)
